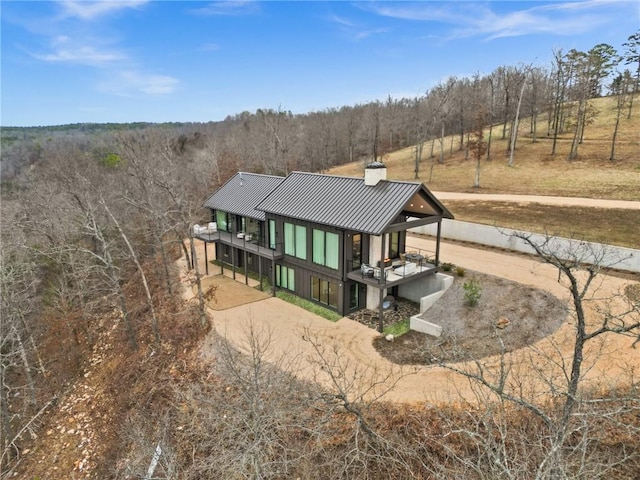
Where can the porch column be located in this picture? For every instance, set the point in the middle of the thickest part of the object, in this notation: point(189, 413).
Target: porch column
point(206, 260)
point(438, 243)
point(193, 249)
point(260, 272)
point(246, 269)
point(273, 276)
point(381, 310)
point(233, 262)
point(382, 257)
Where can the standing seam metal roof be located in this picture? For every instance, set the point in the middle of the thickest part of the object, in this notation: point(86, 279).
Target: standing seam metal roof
point(242, 192)
point(343, 202)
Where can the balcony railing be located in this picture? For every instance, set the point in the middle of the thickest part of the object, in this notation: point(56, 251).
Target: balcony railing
point(246, 241)
point(390, 272)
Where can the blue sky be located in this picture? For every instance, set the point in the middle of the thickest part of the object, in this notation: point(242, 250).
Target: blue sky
point(161, 61)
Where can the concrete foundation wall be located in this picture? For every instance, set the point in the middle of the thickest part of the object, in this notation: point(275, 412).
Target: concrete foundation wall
point(606, 255)
point(444, 282)
point(419, 325)
point(440, 283)
point(414, 291)
point(373, 297)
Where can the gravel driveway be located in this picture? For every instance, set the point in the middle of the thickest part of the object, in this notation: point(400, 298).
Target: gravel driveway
point(348, 344)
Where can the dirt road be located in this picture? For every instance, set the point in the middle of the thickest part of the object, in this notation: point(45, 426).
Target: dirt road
point(348, 345)
point(560, 201)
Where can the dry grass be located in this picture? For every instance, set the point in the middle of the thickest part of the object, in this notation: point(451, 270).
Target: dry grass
point(535, 171)
point(612, 226)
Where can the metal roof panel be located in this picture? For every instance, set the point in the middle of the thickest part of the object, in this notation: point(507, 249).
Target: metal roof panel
point(242, 192)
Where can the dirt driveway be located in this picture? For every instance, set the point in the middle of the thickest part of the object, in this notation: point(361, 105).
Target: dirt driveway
point(559, 201)
point(348, 344)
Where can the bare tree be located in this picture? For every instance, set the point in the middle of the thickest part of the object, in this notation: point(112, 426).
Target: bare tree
point(514, 125)
point(477, 144)
point(632, 56)
point(622, 88)
point(566, 419)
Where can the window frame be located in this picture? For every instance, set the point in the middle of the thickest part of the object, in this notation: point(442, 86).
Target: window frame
point(324, 292)
point(295, 240)
point(321, 247)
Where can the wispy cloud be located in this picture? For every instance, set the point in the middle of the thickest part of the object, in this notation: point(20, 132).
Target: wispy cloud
point(92, 10)
point(229, 7)
point(66, 50)
point(131, 83)
point(89, 45)
point(210, 47)
point(470, 19)
point(353, 30)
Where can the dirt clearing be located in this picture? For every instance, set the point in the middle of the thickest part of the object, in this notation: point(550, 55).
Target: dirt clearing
point(229, 293)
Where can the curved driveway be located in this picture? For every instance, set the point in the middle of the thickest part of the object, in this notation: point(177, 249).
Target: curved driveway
point(347, 345)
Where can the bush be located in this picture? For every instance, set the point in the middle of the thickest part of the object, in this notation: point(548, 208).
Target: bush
point(472, 291)
point(447, 267)
point(460, 271)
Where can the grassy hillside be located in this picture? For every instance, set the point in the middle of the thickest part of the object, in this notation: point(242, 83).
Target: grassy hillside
point(536, 172)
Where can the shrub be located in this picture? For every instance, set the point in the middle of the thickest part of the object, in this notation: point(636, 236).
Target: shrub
point(397, 329)
point(460, 271)
point(472, 291)
point(447, 267)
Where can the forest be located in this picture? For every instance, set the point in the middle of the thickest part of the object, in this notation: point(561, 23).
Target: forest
point(96, 219)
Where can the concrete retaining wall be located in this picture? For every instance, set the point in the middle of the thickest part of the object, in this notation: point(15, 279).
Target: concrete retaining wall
point(606, 255)
point(442, 283)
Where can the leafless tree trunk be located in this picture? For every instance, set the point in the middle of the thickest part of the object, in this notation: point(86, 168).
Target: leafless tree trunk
point(143, 277)
point(579, 264)
point(514, 128)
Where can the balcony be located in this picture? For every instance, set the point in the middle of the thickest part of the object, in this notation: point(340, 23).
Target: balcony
point(250, 243)
point(409, 267)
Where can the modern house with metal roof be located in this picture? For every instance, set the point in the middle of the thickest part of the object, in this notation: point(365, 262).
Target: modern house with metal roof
point(337, 241)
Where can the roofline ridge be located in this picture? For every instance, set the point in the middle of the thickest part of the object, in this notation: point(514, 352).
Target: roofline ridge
point(259, 174)
point(409, 182)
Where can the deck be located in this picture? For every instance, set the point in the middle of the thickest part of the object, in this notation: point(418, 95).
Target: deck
point(240, 241)
point(390, 278)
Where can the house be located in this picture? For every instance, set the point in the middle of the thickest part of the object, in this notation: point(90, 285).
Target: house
point(337, 241)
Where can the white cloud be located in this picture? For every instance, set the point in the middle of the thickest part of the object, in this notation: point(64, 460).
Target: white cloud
point(90, 10)
point(131, 83)
point(229, 7)
point(65, 50)
point(353, 30)
point(478, 19)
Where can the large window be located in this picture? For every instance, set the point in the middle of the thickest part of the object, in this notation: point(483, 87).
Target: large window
point(295, 240)
point(285, 277)
point(394, 245)
point(222, 221)
point(356, 250)
point(354, 291)
point(272, 234)
point(326, 248)
point(324, 291)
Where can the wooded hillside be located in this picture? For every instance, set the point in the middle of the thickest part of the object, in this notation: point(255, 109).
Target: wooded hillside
point(99, 352)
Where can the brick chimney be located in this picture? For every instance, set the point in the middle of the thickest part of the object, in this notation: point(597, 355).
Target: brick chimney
point(374, 172)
